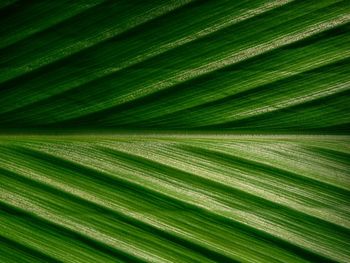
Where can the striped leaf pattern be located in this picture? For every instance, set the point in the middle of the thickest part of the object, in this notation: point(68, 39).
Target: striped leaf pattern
point(241, 65)
point(176, 199)
point(174, 131)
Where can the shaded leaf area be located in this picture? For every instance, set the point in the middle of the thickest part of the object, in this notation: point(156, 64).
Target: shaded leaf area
point(241, 65)
point(174, 198)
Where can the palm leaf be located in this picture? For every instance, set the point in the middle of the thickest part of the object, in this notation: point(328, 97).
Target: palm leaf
point(177, 199)
point(132, 131)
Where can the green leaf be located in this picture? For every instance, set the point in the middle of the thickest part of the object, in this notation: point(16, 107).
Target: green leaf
point(176, 198)
point(246, 66)
point(174, 131)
